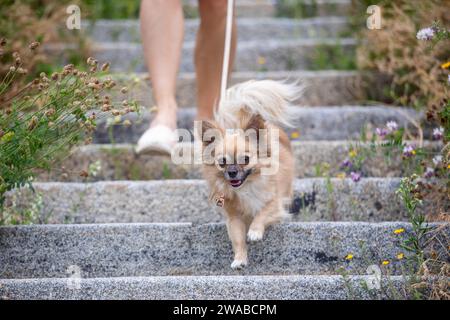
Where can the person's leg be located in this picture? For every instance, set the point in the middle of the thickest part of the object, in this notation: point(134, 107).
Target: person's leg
point(162, 38)
point(209, 54)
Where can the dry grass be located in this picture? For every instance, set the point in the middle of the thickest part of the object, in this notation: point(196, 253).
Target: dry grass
point(412, 65)
point(22, 22)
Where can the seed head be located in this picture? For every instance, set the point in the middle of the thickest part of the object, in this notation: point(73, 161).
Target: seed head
point(84, 174)
point(32, 124)
point(105, 66)
point(22, 71)
point(34, 45)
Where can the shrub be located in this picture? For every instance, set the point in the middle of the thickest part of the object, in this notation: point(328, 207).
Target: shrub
point(44, 119)
point(24, 21)
point(412, 67)
point(411, 51)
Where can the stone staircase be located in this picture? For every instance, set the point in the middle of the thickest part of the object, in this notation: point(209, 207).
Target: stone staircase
point(141, 227)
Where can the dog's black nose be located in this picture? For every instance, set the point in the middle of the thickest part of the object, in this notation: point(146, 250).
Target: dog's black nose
point(232, 173)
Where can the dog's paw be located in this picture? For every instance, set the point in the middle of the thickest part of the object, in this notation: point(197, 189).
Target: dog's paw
point(254, 235)
point(238, 264)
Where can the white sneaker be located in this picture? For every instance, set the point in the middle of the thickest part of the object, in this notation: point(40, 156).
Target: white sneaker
point(157, 140)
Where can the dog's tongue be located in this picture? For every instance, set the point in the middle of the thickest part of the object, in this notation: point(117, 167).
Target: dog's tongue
point(235, 183)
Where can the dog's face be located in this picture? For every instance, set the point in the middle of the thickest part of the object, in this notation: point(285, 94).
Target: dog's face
point(235, 153)
point(235, 161)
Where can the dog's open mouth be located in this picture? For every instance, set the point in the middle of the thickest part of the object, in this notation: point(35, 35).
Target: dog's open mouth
point(236, 183)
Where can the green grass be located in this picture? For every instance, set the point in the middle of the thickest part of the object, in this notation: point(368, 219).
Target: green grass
point(332, 57)
point(296, 9)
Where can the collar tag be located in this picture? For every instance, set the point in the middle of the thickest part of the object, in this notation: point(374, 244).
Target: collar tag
point(219, 200)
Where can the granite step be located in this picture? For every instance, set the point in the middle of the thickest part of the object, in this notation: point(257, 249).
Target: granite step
point(313, 159)
point(143, 250)
point(270, 8)
point(315, 199)
point(313, 123)
point(254, 55)
point(290, 287)
point(322, 88)
point(248, 29)
point(243, 8)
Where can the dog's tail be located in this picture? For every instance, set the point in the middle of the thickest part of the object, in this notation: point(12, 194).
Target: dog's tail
point(268, 98)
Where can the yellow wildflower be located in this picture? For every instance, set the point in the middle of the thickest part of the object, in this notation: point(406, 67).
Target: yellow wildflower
point(400, 256)
point(352, 153)
point(295, 135)
point(445, 65)
point(349, 257)
point(261, 60)
point(385, 262)
point(398, 231)
point(341, 175)
point(448, 166)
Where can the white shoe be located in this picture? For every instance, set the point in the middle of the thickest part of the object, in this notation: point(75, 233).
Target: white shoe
point(157, 140)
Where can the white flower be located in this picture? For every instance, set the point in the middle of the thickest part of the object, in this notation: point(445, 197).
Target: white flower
point(438, 133)
point(392, 126)
point(425, 34)
point(437, 160)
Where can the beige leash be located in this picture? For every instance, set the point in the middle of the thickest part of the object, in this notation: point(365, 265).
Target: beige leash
point(220, 200)
point(227, 48)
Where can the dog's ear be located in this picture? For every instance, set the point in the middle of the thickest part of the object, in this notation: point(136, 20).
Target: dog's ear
point(256, 122)
point(203, 128)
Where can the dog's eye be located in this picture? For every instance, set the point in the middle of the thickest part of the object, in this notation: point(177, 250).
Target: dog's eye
point(222, 162)
point(246, 160)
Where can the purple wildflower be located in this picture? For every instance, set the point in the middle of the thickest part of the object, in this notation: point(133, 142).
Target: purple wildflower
point(346, 163)
point(425, 34)
point(381, 132)
point(429, 172)
point(409, 151)
point(392, 126)
point(355, 176)
point(438, 133)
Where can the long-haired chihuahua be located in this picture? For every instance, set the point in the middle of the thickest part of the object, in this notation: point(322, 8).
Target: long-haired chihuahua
point(247, 159)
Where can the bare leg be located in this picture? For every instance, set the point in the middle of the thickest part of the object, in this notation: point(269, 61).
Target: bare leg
point(162, 37)
point(209, 54)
